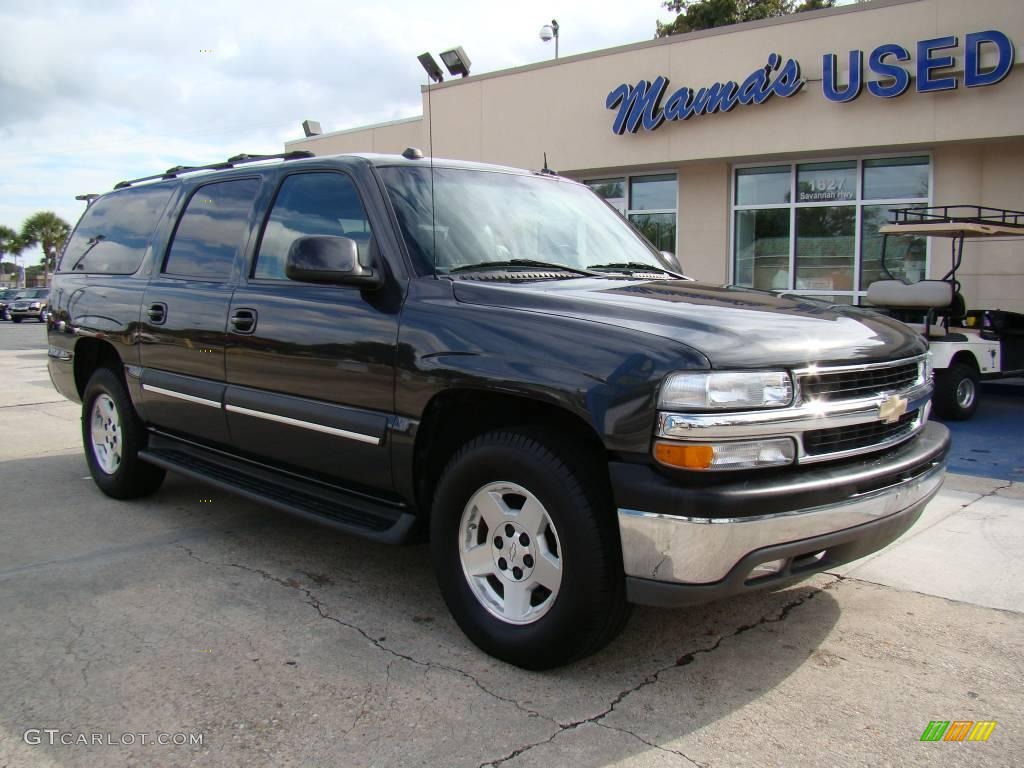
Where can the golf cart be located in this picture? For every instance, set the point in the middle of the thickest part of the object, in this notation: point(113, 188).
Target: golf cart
point(966, 346)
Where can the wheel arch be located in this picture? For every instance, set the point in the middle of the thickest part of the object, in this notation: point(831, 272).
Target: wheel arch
point(91, 354)
point(454, 417)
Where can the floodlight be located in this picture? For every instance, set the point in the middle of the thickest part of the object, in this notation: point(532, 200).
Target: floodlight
point(456, 61)
point(433, 71)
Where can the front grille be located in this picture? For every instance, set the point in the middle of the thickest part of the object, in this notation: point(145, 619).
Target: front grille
point(823, 441)
point(852, 384)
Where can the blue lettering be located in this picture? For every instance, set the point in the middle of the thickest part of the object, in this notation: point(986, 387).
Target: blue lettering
point(829, 77)
point(755, 88)
point(926, 63)
point(788, 82)
point(900, 77)
point(973, 76)
point(636, 105)
point(678, 105)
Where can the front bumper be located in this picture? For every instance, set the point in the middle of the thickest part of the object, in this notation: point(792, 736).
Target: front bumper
point(687, 545)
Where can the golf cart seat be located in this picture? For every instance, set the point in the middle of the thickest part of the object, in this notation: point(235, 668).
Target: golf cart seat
point(920, 304)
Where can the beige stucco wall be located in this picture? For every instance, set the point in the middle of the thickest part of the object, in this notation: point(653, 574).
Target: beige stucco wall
point(386, 138)
point(976, 135)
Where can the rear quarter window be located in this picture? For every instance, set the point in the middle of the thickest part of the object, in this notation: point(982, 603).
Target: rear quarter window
point(114, 232)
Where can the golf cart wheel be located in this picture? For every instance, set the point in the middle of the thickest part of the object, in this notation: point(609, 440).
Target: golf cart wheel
point(956, 392)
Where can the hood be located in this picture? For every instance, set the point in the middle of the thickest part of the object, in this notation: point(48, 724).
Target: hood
point(733, 327)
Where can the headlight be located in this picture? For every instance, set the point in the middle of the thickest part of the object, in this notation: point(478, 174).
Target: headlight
point(738, 454)
point(714, 391)
point(34, 305)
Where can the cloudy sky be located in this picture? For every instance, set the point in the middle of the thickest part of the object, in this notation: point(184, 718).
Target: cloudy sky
point(95, 91)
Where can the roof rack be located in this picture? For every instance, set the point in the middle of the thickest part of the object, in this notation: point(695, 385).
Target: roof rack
point(959, 214)
point(231, 162)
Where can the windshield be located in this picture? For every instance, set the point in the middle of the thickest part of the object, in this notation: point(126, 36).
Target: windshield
point(35, 294)
point(492, 216)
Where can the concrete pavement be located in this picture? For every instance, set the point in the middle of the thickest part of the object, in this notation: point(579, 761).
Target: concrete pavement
point(285, 644)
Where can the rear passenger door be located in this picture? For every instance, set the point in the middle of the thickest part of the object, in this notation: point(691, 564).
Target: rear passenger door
point(185, 310)
point(310, 368)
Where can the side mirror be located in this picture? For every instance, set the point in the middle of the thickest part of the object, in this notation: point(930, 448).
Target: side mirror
point(329, 259)
point(672, 262)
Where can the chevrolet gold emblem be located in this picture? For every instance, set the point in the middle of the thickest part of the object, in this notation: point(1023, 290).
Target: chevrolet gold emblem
point(890, 410)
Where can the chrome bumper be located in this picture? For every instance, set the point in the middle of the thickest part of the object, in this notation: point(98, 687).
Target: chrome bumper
point(695, 550)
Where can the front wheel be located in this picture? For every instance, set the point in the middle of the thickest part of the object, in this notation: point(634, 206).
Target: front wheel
point(113, 434)
point(16, 319)
point(956, 392)
point(526, 549)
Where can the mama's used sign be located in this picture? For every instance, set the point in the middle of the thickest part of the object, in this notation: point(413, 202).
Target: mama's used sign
point(644, 104)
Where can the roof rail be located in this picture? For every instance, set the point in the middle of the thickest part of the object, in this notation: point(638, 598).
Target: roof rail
point(958, 214)
point(231, 162)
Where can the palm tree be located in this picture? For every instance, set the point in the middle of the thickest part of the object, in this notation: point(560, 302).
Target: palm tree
point(10, 243)
point(48, 230)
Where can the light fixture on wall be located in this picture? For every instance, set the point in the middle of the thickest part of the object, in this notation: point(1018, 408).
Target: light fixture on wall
point(549, 31)
point(456, 61)
point(433, 71)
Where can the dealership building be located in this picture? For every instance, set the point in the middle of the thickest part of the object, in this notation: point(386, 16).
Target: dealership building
point(767, 154)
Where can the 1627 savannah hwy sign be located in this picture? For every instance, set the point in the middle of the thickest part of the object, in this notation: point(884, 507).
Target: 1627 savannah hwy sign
point(641, 105)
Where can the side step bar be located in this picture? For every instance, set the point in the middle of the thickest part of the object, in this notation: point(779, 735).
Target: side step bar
point(332, 507)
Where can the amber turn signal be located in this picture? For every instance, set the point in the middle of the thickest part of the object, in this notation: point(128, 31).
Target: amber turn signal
point(684, 456)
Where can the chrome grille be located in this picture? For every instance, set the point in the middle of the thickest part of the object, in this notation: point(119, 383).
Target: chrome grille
point(852, 384)
point(818, 442)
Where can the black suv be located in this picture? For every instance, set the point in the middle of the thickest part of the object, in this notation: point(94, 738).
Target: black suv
point(496, 359)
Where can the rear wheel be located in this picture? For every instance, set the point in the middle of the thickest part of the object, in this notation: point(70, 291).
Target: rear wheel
point(113, 434)
point(526, 549)
point(16, 319)
point(956, 392)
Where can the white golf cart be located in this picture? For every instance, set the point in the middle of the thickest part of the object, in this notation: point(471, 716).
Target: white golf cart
point(966, 346)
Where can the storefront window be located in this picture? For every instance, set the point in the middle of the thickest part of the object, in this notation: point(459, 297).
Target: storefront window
point(650, 205)
point(825, 247)
point(762, 248)
point(826, 242)
point(894, 178)
point(758, 186)
point(904, 256)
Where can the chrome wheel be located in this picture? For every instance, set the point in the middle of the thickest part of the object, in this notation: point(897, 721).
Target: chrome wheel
point(966, 391)
point(105, 431)
point(510, 553)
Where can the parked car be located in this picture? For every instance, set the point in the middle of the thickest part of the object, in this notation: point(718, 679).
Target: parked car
point(497, 360)
point(29, 303)
point(6, 295)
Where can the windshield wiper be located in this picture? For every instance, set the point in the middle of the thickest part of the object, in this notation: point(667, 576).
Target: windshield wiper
point(521, 263)
point(632, 266)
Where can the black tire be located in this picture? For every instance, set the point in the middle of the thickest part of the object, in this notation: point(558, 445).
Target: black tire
point(956, 392)
point(131, 477)
point(589, 607)
point(16, 319)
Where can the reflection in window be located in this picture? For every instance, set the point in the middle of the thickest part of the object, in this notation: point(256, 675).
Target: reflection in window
point(762, 186)
point(652, 193)
point(895, 177)
point(826, 182)
point(904, 254)
point(825, 247)
point(612, 190)
point(212, 229)
point(762, 248)
point(115, 231)
point(658, 228)
point(311, 204)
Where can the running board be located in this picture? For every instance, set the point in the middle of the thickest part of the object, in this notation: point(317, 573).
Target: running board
point(333, 507)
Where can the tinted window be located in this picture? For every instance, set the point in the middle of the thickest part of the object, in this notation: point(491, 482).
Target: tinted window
point(311, 204)
point(212, 229)
point(115, 231)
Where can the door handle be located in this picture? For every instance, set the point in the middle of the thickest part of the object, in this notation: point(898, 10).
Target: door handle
point(157, 313)
point(243, 320)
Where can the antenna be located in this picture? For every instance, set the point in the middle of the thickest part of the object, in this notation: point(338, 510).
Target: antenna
point(433, 205)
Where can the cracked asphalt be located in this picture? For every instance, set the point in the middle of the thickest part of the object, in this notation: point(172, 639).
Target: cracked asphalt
point(286, 644)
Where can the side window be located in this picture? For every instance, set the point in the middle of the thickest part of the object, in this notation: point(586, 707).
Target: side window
point(311, 204)
point(212, 229)
point(115, 231)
